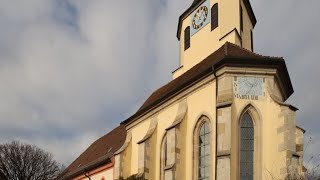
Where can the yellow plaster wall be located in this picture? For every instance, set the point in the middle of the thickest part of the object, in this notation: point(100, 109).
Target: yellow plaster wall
point(247, 27)
point(153, 155)
point(200, 102)
point(229, 16)
point(126, 160)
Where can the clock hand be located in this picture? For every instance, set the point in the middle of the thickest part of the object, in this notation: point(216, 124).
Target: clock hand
point(201, 13)
point(198, 14)
point(200, 17)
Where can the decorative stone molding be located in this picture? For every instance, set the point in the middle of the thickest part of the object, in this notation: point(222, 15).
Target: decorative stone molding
point(172, 140)
point(292, 142)
point(118, 165)
point(169, 172)
point(182, 111)
point(223, 142)
point(152, 128)
point(225, 91)
point(287, 130)
point(279, 101)
point(144, 153)
point(125, 144)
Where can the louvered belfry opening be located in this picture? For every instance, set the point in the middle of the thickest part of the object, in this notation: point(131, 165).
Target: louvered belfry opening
point(246, 147)
point(214, 17)
point(187, 38)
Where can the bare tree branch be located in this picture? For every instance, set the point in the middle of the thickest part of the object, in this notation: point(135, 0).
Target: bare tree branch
point(20, 161)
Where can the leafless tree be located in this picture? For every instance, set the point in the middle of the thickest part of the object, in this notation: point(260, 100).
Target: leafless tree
point(19, 161)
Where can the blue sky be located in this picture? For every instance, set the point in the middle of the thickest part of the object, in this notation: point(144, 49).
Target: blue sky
point(71, 70)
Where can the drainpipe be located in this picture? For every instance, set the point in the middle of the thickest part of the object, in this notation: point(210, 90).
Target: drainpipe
point(86, 174)
point(217, 87)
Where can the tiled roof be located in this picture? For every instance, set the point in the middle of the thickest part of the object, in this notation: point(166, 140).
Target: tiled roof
point(98, 153)
point(228, 54)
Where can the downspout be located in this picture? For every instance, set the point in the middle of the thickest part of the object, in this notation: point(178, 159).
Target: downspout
point(216, 149)
point(86, 174)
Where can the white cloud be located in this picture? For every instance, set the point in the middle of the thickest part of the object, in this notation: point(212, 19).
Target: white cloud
point(72, 68)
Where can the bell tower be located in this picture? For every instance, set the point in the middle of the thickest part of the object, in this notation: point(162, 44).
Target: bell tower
point(208, 24)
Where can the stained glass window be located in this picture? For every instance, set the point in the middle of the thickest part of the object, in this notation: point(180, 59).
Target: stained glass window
point(246, 148)
point(204, 152)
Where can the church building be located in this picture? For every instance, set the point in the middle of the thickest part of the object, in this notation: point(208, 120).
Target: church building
point(222, 116)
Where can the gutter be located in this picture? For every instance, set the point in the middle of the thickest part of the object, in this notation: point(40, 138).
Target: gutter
point(216, 149)
point(86, 174)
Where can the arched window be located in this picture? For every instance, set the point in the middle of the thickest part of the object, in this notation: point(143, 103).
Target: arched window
point(214, 17)
point(187, 38)
point(164, 157)
point(202, 150)
point(246, 147)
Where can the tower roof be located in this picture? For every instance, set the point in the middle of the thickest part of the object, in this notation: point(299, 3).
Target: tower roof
point(227, 55)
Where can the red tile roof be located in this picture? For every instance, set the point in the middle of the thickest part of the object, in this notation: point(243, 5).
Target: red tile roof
point(227, 55)
point(97, 154)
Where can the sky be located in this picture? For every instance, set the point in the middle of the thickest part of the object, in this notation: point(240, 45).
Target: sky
point(72, 70)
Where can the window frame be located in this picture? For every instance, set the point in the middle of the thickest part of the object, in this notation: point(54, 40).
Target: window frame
point(201, 121)
point(248, 138)
point(256, 117)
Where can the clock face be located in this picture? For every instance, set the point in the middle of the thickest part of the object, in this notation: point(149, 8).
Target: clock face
point(200, 17)
point(248, 87)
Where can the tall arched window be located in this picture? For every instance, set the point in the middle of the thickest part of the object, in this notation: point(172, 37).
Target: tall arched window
point(246, 147)
point(204, 152)
point(202, 149)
